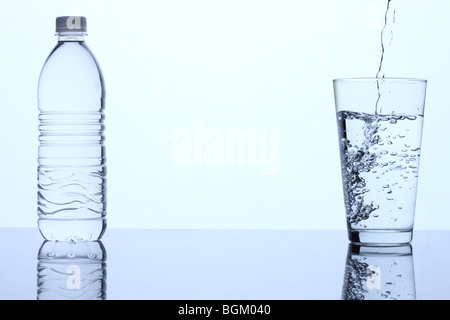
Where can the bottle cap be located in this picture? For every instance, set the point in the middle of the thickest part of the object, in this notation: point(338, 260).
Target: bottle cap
point(71, 24)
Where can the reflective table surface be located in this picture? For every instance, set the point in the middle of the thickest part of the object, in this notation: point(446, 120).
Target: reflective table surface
point(222, 265)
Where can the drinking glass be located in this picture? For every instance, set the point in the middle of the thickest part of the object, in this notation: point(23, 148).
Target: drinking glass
point(380, 132)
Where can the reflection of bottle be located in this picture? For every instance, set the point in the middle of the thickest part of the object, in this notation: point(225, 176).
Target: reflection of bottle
point(72, 161)
point(379, 273)
point(71, 271)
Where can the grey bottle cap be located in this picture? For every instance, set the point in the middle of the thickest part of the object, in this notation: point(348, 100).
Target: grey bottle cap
point(71, 24)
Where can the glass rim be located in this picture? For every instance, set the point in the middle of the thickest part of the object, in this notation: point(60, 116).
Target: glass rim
point(388, 79)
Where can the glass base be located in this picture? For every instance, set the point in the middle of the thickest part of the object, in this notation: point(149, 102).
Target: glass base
point(380, 237)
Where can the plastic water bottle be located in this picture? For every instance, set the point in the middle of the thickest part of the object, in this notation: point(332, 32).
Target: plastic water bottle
point(72, 162)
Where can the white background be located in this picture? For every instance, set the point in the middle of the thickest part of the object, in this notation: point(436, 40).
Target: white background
point(235, 64)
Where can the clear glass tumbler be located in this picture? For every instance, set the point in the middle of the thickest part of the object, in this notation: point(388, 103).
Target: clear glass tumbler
point(380, 132)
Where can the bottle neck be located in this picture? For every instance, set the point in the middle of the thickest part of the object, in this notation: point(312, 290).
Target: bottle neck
point(71, 36)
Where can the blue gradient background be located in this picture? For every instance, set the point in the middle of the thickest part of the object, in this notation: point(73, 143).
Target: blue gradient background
point(247, 64)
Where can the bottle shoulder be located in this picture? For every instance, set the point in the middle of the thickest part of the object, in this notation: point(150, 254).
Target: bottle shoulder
point(71, 55)
point(71, 66)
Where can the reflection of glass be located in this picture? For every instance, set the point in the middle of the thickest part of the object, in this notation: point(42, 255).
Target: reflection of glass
point(379, 273)
point(380, 131)
point(71, 271)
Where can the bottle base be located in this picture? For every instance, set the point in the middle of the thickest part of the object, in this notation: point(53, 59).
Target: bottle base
point(380, 237)
point(72, 230)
